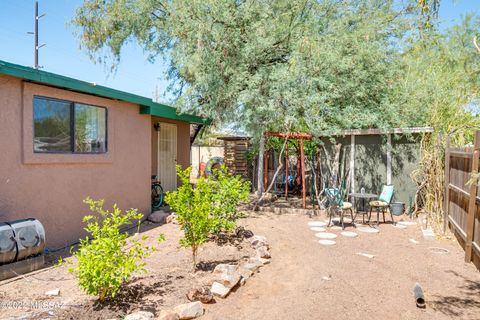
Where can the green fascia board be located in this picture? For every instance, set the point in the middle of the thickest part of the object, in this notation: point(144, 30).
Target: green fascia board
point(147, 106)
point(158, 110)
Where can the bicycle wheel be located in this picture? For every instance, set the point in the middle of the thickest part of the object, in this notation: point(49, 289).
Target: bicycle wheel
point(157, 196)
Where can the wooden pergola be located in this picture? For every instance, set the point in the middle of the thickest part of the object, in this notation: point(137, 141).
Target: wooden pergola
point(300, 136)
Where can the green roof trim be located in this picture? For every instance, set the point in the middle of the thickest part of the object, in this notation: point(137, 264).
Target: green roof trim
point(147, 106)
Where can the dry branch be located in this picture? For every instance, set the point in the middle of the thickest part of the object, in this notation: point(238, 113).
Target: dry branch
point(280, 166)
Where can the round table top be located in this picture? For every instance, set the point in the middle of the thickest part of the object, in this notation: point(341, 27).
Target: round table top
point(363, 195)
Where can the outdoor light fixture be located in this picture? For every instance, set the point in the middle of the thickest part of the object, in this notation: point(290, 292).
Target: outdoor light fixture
point(156, 126)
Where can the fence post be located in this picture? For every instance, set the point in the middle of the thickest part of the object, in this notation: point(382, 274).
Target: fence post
point(446, 196)
point(472, 205)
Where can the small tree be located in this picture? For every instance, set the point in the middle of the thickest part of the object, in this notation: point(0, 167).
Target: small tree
point(106, 259)
point(193, 207)
point(229, 191)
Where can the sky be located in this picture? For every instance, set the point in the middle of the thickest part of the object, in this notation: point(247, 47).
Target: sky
point(62, 54)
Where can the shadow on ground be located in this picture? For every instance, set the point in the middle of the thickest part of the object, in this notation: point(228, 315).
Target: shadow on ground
point(457, 306)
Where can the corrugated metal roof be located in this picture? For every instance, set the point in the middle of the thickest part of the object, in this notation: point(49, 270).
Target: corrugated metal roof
point(365, 132)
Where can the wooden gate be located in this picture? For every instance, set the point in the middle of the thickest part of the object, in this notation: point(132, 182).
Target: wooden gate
point(462, 201)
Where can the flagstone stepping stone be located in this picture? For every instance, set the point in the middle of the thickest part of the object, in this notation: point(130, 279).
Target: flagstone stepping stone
point(368, 230)
point(318, 229)
point(349, 234)
point(367, 255)
point(407, 223)
point(326, 242)
point(400, 226)
point(438, 250)
point(317, 224)
point(336, 228)
point(325, 235)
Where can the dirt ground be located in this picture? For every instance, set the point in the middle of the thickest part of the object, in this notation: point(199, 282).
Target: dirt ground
point(168, 279)
point(292, 286)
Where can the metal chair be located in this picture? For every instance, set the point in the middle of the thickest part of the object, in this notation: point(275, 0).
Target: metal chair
point(336, 204)
point(382, 204)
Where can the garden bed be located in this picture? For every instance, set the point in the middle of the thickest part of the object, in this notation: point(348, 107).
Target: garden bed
point(304, 279)
point(165, 285)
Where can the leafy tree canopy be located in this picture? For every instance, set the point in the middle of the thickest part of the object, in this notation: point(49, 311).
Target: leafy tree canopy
point(299, 65)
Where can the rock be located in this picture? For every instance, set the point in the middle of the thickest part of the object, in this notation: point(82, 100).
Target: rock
point(252, 264)
point(428, 234)
point(245, 273)
point(269, 197)
point(204, 295)
point(159, 216)
point(262, 252)
point(171, 219)
point(189, 310)
point(228, 274)
point(53, 293)
point(241, 232)
point(413, 241)
point(222, 268)
point(258, 241)
point(243, 281)
point(139, 315)
point(168, 315)
point(367, 255)
point(264, 261)
point(230, 280)
point(219, 290)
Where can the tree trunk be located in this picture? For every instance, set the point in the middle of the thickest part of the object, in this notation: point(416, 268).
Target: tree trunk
point(194, 257)
point(335, 166)
point(279, 168)
point(261, 152)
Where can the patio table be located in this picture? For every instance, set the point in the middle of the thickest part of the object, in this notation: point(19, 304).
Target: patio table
point(364, 197)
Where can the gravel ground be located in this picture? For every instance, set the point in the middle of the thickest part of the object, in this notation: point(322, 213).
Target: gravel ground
point(168, 279)
point(292, 286)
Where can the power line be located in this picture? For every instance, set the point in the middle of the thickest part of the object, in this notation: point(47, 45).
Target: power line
point(66, 53)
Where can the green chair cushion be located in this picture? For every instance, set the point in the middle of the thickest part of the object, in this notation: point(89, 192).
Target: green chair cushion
point(387, 194)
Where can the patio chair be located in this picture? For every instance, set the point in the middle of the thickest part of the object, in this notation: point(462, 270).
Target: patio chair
point(382, 203)
point(336, 204)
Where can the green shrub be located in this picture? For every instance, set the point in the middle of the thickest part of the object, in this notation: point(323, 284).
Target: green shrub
point(207, 208)
point(193, 207)
point(229, 191)
point(106, 258)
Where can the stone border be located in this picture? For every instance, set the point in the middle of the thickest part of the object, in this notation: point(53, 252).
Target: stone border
point(227, 277)
point(282, 210)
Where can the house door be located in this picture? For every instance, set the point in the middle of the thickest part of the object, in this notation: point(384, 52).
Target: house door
point(167, 156)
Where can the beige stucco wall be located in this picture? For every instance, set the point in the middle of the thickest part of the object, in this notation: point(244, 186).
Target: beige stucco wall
point(201, 154)
point(52, 187)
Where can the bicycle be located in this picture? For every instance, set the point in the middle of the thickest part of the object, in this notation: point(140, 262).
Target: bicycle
point(157, 193)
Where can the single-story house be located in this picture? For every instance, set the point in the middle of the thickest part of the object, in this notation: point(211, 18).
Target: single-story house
point(64, 139)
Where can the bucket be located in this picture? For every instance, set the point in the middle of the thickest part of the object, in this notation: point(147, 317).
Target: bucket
point(397, 208)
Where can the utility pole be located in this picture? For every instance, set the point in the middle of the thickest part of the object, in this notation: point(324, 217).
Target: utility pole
point(35, 35)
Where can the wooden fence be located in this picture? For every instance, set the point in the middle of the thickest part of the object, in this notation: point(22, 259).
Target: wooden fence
point(462, 201)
